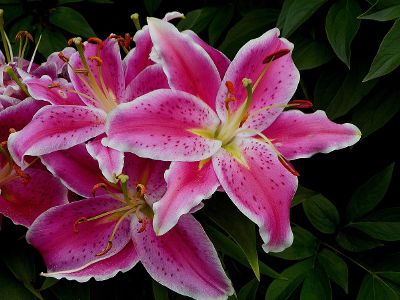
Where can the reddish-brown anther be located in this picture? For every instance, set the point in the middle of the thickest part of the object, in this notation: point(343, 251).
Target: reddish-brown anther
point(95, 40)
point(231, 88)
point(288, 165)
point(63, 57)
point(127, 40)
point(276, 55)
point(301, 103)
point(22, 34)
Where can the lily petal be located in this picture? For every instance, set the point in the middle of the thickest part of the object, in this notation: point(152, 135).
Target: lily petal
point(56, 128)
point(276, 87)
point(150, 79)
point(110, 70)
point(105, 269)
point(66, 250)
point(299, 135)
point(23, 201)
point(187, 187)
point(148, 172)
point(188, 66)
point(18, 115)
point(184, 260)
point(76, 169)
point(219, 59)
point(156, 126)
point(262, 190)
point(110, 161)
point(41, 89)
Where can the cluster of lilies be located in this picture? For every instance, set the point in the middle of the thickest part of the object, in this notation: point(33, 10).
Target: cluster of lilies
point(104, 159)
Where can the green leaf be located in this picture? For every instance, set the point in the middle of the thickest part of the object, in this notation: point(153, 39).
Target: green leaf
point(11, 13)
point(249, 291)
point(322, 213)
point(71, 290)
point(225, 245)
point(71, 21)
point(11, 287)
point(296, 12)
point(335, 267)
point(391, 276)
point(310, 54)
point(328, 84)
point(160, 292)
point(383, 10)
point(62, 2)
point(52, 40)
point(102, 1)
point(378, 109)
point(356, 242)
point(375, 288)
point(241, 230)
point(388, 214)
point(388, 56)
point(197, 20)
point(316, 285)
point(252, 25)
point(302, 194)
point(385, 231)
point(48, 283)
point(350, 92)
point(152, 6)
point(281, 289)
point(20, 262)
point(220, 22)
point(304, 245)
point(342, 26)
point(369, 194)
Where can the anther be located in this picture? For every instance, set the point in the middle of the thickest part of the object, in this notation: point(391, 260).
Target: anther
point(81, 71)
point(95, 40)
point(63, 57)
point(143, 225)
point(227, 101)
point(23, 33)
point(244, 119)
point(275, 55)
point(97, 59)
point(26, 178)
point(12, 130)
point(300, 104)
point(288, 165)
point(106, 249)
point(79, 221)
point(140, 189)
point(127, 40)
point(231, 88)
point(53, 85)
point(97, 186)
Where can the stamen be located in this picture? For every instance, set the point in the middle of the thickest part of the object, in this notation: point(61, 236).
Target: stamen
point(127, 40)
point(106, 249)
point(12, 130)
point(300, 104)
point(231, 88)
point(79, 221)
point(95, 40)
point(227, 101)
point(276, 55)
point(203, 162)
point(123, 179)
point(34, 54)
point(140, 190)
point(97, 186)
point(25, 33)
point(288, 165)
point(97, 59)
point(6, 41)
point(144, 222)
point(63, 57)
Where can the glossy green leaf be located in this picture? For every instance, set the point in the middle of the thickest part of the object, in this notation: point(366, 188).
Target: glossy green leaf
point(304, 245)
point(342, 26)
point(387, 58)
point(375, 288)
point(383, 10)
point(385, 231)
point(160, 292)
point(249, 290)
point(281, 289)
point(350, 92)
point(11, 287)
point(316, 285)
point(225, 245)
point(296, 12)
point(70, 20)
point(71, 290)
point(12, 12)
point(335, 267)
point(51, 39)
point(302, 194)
point(322, 213)
point(391, 276)
point(252, 25)
point(369, 194)
point(20, 262)
point(328, 84)
point(242, 231)
point(377, 109)
point(310, 54)
point(152, 6)
point(197, 20)
point(356, 242)
point(220, 23)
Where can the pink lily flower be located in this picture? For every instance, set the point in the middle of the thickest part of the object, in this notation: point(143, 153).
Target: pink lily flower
point(98, 237)
point(232, 132)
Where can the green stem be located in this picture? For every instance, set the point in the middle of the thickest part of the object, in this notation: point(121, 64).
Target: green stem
point(14, 77)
